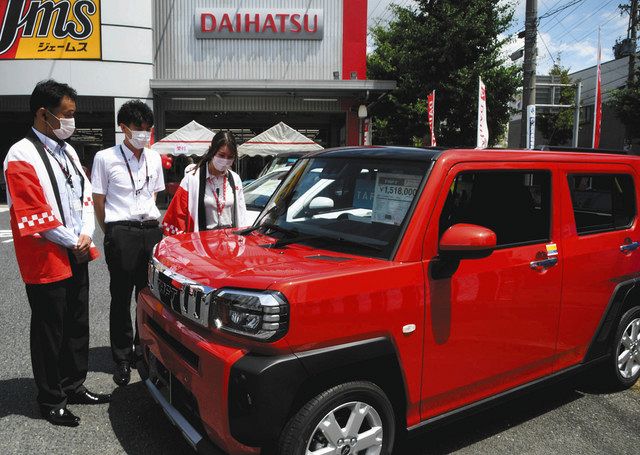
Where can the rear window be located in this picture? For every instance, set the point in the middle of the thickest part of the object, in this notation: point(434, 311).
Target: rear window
point(602, 202)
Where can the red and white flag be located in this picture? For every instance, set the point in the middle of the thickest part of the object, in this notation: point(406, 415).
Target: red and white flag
point(597, 116)
point(483, 130)
point(431, 104)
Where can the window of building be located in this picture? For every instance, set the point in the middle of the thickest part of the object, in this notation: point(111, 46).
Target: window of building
point(602, 202)
point(513, 204)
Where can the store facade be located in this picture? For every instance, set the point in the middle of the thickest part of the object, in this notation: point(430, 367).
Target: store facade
point(239, 65)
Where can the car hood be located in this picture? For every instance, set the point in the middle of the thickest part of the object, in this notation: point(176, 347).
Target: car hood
point(225, 259)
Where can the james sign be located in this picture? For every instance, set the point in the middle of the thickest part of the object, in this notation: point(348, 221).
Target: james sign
point(245, 23)
point(50, 29)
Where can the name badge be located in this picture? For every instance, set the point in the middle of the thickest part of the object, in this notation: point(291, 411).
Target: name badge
point(76, 204)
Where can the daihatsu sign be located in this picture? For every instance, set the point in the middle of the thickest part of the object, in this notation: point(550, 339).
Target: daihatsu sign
point(276, 23)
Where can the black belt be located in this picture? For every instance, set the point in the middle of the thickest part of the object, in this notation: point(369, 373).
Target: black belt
point(147, 224)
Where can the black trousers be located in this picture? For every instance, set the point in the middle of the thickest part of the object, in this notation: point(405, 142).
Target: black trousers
point(127, 251)
point(60, 336)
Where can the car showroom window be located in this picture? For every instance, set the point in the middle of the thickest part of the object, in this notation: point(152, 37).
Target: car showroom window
point(513, 204)
point(602, 202)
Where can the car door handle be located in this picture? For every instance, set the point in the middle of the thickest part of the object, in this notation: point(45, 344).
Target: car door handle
point(544, 263)
point(628, 247)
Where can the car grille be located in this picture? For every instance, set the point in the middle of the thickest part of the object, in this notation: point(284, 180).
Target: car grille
point(180, 294)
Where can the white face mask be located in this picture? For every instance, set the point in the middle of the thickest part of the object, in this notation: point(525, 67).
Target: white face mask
point(222, 164)
point(67, 127)
point(139, 139)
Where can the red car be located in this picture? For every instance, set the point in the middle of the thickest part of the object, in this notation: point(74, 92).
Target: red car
point(386, 289)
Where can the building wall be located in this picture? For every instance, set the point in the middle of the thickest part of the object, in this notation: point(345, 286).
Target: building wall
point(179, 55)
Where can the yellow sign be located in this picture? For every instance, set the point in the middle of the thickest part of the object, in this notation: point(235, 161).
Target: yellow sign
point(50, 29)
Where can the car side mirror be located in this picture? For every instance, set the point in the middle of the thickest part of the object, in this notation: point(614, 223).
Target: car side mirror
point(461, 241)
point(321, 203)
point(468, 241)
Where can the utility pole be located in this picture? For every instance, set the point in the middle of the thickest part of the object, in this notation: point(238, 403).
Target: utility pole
point(529, 69)
point(633, 36)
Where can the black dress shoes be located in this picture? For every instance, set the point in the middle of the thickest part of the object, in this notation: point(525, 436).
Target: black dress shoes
point(122, 376)
point(62, 417)
point(87, 397)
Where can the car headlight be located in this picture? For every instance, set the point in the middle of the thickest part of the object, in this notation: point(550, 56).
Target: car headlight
point(263, 316)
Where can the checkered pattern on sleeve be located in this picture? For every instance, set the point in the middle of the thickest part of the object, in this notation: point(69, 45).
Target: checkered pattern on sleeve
point(26, 222)
point(170, 229)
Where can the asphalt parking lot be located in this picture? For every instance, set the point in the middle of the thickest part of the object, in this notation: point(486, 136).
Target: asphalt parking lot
point(563, 418)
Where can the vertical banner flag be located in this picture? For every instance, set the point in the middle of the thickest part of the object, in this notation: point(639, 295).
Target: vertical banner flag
point(431, 104)
point(483, 129)
point(597, 108)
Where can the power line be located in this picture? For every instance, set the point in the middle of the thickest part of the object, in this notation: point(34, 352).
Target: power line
point(559, 9)
point(546, 47)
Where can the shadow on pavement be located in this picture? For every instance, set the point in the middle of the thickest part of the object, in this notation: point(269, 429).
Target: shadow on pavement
point(18, 397)
point(140, 425)
point(461, 433)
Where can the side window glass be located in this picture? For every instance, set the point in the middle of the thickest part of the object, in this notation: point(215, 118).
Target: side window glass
point(602, 202)
point(513, 204)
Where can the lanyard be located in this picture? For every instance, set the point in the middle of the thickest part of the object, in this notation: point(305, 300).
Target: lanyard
point(64, 169)
point(219, 205)
point(133, 183)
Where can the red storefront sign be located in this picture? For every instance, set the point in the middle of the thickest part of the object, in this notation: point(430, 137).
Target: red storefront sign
point(224, 23)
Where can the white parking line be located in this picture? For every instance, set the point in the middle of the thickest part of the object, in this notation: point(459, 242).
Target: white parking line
point(4, 209)
point(4, 233)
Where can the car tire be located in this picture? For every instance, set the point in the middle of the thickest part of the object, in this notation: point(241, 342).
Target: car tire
point(348, 417)
point(622, 368)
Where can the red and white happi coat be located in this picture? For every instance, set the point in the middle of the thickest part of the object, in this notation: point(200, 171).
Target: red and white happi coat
point(182, 213)
point(34, 209)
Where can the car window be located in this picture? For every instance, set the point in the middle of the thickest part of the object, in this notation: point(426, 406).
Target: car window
point(602, 202)
point(513, 204)
point(357, 205)
point(258, 192)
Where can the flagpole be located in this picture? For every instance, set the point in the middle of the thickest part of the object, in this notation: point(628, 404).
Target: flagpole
point(597, 102)
point(479, 114)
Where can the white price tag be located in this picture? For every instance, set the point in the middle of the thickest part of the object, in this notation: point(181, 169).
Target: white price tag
point(393, 196)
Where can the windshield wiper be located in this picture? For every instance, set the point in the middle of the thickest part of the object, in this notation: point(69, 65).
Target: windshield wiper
point(302, 238)
point(267, 227)
point(371, 246)
point(283, 242)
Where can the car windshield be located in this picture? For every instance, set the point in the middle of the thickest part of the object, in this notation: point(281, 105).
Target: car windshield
point(353, 205)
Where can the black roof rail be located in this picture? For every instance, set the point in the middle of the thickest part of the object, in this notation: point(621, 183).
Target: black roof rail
point(559, 148)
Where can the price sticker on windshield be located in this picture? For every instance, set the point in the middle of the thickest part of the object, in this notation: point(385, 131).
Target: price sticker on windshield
point(392, 197)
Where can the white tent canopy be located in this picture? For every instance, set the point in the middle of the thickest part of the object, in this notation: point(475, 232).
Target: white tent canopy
point(191, 139)
point(278, 139)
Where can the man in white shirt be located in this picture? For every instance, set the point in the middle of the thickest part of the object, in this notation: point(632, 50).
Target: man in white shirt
point(52, 224)
point(126, 179)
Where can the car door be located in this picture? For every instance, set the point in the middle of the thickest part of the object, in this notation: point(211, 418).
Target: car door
point(599, 248)
point(491, 322)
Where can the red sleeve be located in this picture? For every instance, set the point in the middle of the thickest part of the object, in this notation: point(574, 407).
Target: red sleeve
point(177, 220)
point(32, 212)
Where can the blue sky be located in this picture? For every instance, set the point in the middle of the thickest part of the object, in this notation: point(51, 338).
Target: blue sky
point(572, 33)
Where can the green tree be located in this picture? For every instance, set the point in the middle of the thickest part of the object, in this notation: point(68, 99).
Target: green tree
point(626, 103)
point(557, 126)
point(443, 45)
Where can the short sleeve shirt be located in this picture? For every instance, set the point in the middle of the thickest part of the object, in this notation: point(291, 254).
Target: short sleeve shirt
point(111, 178)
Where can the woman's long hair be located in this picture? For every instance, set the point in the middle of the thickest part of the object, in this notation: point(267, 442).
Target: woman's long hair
point(220, 139)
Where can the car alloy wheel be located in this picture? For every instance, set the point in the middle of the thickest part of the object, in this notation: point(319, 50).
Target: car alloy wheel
point(628, 352)
point(351, 418)
point(351, 428)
